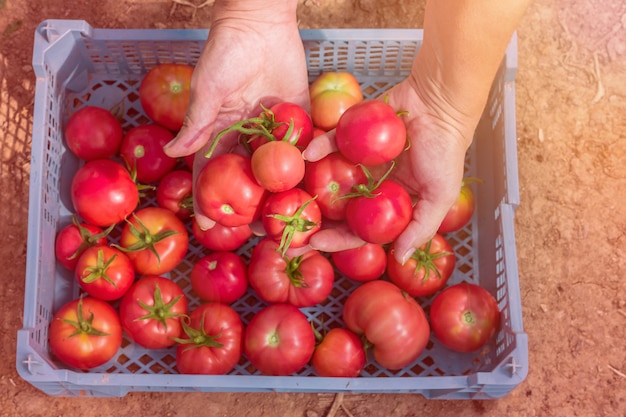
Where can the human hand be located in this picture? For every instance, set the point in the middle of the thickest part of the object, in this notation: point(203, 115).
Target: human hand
point(431, 169)
point(250, 58)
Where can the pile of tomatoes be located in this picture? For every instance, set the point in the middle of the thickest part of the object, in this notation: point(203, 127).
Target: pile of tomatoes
point(265, 185)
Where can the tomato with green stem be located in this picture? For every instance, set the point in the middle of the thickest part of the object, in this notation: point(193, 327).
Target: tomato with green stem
point(303, 281)
point(85, 333)
point(426, 271)
point(104, 272)
point(211, 343)
point(72, 240)
point(290, 218)
point(379, 211)
point(155, 240)
point(151, 312)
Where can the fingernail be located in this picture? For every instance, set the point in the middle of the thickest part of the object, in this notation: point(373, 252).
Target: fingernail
point(407, 255)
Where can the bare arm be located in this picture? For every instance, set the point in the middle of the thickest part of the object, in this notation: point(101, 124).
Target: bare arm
point(464, 42)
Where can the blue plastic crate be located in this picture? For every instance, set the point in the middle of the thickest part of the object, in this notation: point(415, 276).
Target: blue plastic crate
point(77, 65)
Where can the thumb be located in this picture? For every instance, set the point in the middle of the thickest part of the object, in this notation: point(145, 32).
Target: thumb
point(335, 238)
point(320, 146)
point(427, 216)
point(197, 128)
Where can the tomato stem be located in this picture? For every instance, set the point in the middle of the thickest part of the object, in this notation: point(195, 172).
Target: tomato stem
point(426, 260)
point(293, 224)
point(87, 238)
point(83, 326)
point(198, 337)
point(145, 239)
point(159, 311)
point(99, 270)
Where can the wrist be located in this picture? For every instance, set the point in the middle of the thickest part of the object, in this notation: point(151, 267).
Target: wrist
point(459, 108)
point(256, 11)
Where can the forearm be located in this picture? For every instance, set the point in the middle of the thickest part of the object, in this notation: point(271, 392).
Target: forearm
point(464, 42)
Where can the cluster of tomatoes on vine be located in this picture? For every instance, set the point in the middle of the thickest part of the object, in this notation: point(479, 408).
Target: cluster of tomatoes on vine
point(271, 185)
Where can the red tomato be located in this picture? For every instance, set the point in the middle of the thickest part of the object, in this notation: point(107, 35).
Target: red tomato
point(393, 323)
point(331, 178)
point(164, 94)
point(339, 354)
point(155, 241)
point(212, 341)
point(219, 277)
point(73, 239)
point(220, 237)
point(370, 133)
point(85, 333)
point(464, 317)
point(279, 340)
point(104, 272)
point(381, 215)
point(365, 263)
point(151, 312)
point(287, 122)
point(291, 218)
point(302, 281)
point(142, 151)
point(93, 133)
point(227, 192)
point(461, 211)
point(174, 192)
point(103, 192)
point(317, 132)
point(277, 166)
point(332, 93)
point(426, 271)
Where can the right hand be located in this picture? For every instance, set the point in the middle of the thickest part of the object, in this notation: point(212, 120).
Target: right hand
point(246, 62)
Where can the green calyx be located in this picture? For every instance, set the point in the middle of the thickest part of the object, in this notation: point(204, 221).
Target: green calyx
point(83, 326)
point(368, 190)
point(99, 270)
point(292, 270)
point(293, 224)
point(87, 238)
point(198, 337)
point(425, 260)
point(160, 310)
point(145, 238)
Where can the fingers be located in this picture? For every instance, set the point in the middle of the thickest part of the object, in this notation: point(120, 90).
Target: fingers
point(320, 146)
point(427, 217)
point(199, 121)
point(203, 221)
point(334, 239)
